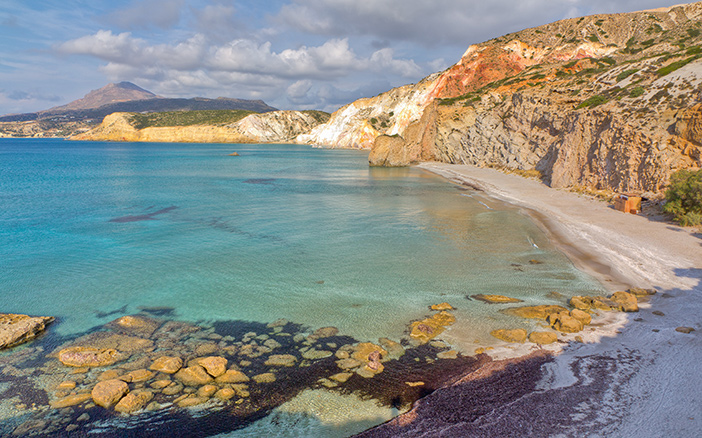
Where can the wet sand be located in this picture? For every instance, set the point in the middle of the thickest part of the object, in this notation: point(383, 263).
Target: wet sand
point(641, 382)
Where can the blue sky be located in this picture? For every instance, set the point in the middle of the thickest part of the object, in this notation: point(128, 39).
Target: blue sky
point(306, 54)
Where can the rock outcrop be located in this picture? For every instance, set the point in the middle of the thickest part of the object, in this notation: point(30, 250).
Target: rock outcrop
point(16, 329)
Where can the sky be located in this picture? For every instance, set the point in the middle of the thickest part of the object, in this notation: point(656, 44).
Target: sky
point(293, 54)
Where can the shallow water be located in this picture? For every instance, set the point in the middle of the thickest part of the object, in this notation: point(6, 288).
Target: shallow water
point(92, 231)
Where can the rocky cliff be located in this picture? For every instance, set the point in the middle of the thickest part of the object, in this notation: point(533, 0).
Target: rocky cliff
point(606, 102)
point(271, 127)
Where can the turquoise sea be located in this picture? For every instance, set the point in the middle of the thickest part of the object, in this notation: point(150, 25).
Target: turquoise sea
point(92, 231)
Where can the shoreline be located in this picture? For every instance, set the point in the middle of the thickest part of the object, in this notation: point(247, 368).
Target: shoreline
point(632, 381)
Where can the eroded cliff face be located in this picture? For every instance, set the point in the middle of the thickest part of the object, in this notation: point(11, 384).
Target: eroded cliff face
point(605, 102)
point(271, 127)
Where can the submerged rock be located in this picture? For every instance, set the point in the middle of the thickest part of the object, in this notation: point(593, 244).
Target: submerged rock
point(281, 360)
point(495, 299)
point(442, 306)
point(16, 329)
point(167, 364)
point(535, 312)
point(70, 400)
point(232, 376)
point(427, 329)
point(136, 324)
point(264, 378)
point(89, 357)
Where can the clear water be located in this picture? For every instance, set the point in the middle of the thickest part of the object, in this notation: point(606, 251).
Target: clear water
point(89, 228)
point(92, 231)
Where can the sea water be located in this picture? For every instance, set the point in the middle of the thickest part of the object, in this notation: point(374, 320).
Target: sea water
point(92, 231)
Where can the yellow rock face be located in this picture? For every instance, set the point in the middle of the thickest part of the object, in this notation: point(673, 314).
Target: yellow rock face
point(514, 335)
point(565, 323)
point(584, 317)
point(543, 338)
point(626, 301)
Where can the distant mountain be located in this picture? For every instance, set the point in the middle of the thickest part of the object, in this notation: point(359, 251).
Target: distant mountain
point(127, 97)
point(109, 94)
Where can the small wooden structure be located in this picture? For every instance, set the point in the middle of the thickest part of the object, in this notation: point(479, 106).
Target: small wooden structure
point(628, 203)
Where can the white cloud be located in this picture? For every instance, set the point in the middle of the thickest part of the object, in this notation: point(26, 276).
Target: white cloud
point(197, 63)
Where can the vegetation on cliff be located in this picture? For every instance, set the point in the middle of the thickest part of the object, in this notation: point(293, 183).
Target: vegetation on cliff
point(684, 197)
point(186, 118)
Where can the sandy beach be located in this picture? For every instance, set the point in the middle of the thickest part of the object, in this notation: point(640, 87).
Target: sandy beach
point(643, 382)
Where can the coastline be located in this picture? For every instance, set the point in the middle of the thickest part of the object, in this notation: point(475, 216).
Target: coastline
point(633, 381)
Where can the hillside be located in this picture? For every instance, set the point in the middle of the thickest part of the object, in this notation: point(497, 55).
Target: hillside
point(606, 102)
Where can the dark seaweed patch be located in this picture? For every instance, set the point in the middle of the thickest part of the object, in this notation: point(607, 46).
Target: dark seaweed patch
point(161, 311)
point(121, 311)
point(262, 181)
point(143, 217)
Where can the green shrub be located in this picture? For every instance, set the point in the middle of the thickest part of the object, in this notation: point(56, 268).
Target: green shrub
point(684, 197)
point(693, 32)
point(608, 60)
point(675, 65)
point(636, 92)
point(593, 101)
point(593, 38)
point(625, 74)
point(187, 118)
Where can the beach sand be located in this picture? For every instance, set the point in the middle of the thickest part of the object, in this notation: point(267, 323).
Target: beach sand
point(642, 381)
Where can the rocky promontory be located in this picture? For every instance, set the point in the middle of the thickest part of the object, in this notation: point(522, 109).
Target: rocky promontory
point(16, 329)
point(270, 127)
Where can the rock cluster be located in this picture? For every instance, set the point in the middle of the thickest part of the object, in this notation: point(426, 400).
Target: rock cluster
point(568, 321)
